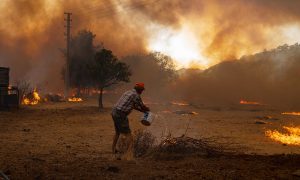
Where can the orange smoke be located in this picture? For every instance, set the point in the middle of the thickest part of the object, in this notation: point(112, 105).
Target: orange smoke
point(31, 32)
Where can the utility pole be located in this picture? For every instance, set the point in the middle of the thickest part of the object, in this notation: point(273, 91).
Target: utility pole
point(68, 37)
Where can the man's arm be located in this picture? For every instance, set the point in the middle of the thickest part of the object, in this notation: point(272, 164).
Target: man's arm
point(140, 106)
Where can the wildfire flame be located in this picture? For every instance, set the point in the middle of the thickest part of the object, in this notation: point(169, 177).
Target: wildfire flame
point(179, 103)
point(75, 99)
point(35, 99)
point(291, 113)
point(249, 102)
point(292, 137)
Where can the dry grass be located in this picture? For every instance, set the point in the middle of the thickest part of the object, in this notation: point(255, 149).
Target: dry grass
point(143, 143)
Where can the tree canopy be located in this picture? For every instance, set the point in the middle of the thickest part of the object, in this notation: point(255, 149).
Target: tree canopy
point(106, 71)
point(93, 66)
point(155, 69)
point(82, 50)
point(151, 68)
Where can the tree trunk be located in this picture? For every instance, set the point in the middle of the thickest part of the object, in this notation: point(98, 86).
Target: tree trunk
point(78, 93)
point(100, 99)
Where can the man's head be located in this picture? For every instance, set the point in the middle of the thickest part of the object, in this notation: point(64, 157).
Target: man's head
point(139, 87)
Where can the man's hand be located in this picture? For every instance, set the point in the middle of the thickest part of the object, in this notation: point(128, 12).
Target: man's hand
point(146, 109)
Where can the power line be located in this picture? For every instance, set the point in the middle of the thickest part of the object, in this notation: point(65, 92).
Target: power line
point(96, 6)
point(111, 10)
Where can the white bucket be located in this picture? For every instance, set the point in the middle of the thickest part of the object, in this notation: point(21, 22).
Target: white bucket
point(147, 118)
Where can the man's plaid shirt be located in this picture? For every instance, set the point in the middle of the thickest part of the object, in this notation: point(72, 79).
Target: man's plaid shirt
point(128, 101)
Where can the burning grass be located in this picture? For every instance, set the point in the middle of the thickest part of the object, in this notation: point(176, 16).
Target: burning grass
point(250, 102)
point(291, 113)
point(291, 137)
point(180, 103)
point(75, 99)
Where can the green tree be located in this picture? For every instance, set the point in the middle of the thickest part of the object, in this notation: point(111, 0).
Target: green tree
point(107, 70)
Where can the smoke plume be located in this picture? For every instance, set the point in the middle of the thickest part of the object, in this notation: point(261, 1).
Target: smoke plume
point(31, 32)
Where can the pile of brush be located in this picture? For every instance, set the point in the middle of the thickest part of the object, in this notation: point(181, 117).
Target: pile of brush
point(145, 145)
point(188, 145)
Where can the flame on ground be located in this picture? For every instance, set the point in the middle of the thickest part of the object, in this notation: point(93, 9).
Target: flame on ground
point(74, 99)
point(291, 113)
point(249, 102)
point(291, 137)
point(33, 100)
point(180, 103)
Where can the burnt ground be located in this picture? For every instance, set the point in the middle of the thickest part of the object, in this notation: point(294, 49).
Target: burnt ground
point(73, 142)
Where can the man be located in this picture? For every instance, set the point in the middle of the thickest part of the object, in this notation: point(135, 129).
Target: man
point(129, 100)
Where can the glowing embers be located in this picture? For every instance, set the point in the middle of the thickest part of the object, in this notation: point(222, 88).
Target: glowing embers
point(290, 137)
point(291, 113)
point(75, 99)
point(31, 98)
point(250, 102)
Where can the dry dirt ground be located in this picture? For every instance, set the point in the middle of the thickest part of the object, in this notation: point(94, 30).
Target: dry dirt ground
point(73, 141)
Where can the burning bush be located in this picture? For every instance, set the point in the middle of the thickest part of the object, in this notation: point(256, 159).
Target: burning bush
point(24, 88)
point(32, 98)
